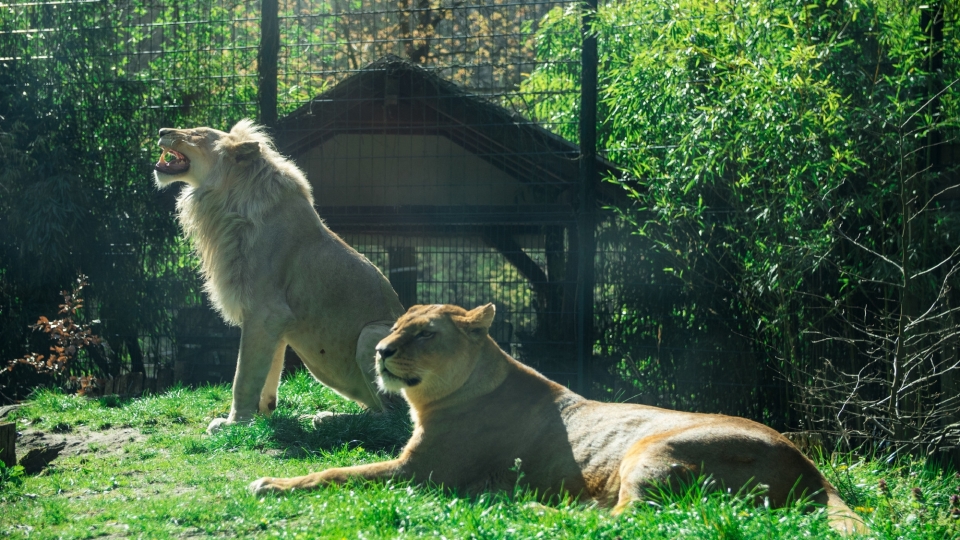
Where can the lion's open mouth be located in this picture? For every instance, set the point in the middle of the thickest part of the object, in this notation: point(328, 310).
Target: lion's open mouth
point(172, 162)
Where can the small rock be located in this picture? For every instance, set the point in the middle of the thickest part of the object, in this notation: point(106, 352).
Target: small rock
point(7, 409)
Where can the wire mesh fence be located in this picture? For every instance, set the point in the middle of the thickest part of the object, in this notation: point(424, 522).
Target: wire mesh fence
point(485, 46)
point(409, 120)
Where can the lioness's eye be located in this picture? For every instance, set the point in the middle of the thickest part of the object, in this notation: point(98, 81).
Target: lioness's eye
point(425, 335)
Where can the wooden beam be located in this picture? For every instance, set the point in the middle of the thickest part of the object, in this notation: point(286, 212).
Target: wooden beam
point(403, 273)
point(507, 246)
point(8, 443)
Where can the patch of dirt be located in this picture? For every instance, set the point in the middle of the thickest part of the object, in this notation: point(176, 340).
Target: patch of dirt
point(37, 448)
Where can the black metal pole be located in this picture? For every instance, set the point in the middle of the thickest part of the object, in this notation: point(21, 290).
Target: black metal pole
point(932, 25)
point(267, 61)
point(586, 211)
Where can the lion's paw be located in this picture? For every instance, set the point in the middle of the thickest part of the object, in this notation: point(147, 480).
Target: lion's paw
point(258, 486)
point(264, 486)
point(217, 424)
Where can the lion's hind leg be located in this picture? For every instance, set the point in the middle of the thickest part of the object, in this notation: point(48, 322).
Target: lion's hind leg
point(361, 385)
point(741, 456)
point(372, 334)
point(737, 455)
point(647, 471)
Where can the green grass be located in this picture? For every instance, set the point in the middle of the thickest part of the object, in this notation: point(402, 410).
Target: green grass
point(177, 482)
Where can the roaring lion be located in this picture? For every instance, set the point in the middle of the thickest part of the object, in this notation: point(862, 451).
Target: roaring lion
point(273, 268)
point(477, 411)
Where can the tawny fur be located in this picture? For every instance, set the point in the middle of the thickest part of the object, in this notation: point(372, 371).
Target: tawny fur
point(272, 267)
point(478, 413)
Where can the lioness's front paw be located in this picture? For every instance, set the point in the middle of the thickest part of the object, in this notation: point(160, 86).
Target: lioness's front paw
point(264, 486)
point(217, 424)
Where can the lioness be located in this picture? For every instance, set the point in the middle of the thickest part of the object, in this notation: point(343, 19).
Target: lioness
point(272, 267)
point(476, 411)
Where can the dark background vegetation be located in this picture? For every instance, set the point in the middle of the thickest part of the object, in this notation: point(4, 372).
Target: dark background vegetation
point(789, 251)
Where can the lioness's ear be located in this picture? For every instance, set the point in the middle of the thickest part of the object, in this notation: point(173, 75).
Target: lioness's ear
point(477, 320)
point(245, 151)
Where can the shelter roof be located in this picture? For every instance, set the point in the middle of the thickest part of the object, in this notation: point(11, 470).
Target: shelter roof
point(395, 97)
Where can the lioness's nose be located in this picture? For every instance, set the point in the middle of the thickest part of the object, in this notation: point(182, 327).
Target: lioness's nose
point(385, 351)
point(164, 131)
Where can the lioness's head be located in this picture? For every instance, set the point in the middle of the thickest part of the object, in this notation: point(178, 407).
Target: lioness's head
point(193, 155)
point(432, 350)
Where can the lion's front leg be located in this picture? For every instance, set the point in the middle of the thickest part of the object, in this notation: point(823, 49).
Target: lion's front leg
point(373, 471)
point(260, 346)
point(268, 395)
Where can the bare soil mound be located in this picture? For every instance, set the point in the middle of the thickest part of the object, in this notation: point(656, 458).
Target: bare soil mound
point(37, 448)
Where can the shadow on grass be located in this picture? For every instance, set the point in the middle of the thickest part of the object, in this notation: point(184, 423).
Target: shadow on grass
point(372, 431)
point(295, 437)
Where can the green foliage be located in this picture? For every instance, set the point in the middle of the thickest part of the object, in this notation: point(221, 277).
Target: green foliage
point(481, 45)
point(76, 196)
point(10, 477)
point(776, 153)
point(209, 77)
point(78, 145)
point(726, 114)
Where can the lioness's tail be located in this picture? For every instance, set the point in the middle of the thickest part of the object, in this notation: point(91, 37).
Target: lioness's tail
point(841, 517)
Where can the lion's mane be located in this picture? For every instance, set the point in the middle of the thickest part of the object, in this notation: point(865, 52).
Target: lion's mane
point(224, 215)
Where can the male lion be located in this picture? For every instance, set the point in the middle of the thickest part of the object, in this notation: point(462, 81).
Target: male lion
point(476, 411)
point(274, 269)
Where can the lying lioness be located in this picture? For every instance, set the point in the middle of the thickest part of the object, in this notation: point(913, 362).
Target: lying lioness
point(477, 411)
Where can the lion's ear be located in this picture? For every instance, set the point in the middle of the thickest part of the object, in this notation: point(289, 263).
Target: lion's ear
point(245, 151)
point(477, 320)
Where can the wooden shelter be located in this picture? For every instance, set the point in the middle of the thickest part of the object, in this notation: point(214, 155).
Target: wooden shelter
point(415, 172)
point(394, 144)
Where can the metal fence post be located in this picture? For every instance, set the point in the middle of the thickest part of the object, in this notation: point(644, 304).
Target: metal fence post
point(587, 204)
point(267, 61)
